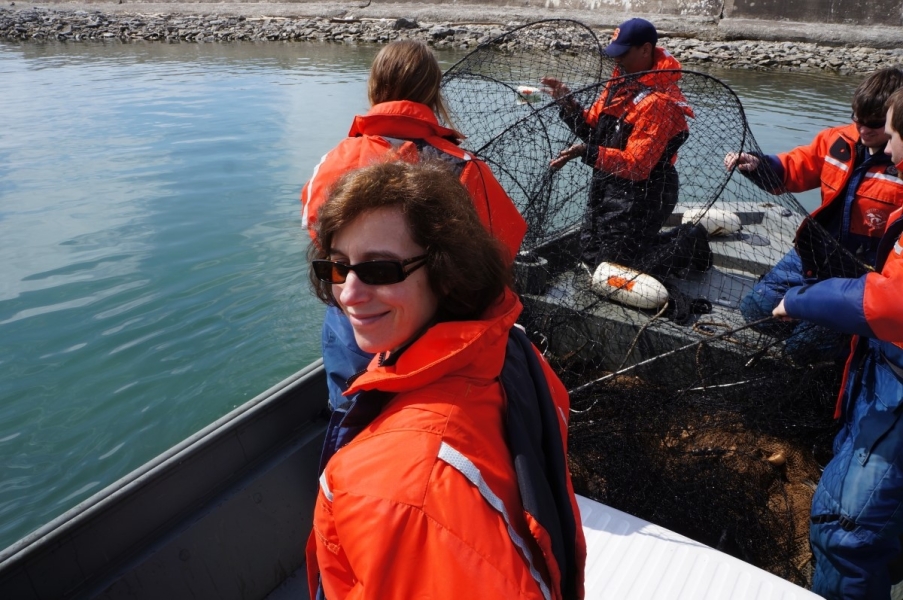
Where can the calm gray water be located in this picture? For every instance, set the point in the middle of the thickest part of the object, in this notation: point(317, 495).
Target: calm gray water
point(152, 268)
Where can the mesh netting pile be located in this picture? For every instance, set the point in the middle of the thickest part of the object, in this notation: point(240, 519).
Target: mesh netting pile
point(685, 414)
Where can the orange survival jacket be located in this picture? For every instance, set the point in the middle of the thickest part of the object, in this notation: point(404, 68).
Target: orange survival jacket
point(424, 502)
point(653, 108)
point(828, 163)
point(392, 130)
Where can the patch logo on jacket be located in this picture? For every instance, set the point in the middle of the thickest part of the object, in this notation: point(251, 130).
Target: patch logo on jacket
point(840, 150)
point(875, 220)
point(892, 170)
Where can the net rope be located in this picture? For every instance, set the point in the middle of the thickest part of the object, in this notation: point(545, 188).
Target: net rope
point(685, 412)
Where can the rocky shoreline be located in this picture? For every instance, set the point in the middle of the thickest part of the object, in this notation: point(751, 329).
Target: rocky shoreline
point(51, 25)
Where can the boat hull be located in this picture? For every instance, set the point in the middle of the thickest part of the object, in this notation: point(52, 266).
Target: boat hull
point(225, 514)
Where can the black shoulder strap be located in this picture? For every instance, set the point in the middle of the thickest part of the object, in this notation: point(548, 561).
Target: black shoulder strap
point(534, 439)
point(428, 151)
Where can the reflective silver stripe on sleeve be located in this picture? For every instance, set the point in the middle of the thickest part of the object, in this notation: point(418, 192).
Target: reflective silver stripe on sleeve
point(640, 96)
point(462, 464)
point(305, 204)
point(324, 485)
point(837, 163)
point(888, 178)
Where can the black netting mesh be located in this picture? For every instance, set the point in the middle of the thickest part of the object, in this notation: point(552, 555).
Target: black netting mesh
point(686, 413)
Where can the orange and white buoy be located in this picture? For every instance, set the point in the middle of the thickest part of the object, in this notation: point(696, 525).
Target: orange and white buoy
point(628, 286)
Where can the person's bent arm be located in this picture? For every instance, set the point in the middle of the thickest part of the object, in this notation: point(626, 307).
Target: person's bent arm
point(796, 171)
point(764, 170)
point(866, 306)
point(496, 209)
point(313, 195)
point(570, 111)
point(800, 169)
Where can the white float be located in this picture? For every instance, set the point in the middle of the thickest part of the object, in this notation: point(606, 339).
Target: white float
point(717, 221)
point(528, 94)
point(628, 286)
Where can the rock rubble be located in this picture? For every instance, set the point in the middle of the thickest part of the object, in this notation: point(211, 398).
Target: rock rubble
point(54, 25)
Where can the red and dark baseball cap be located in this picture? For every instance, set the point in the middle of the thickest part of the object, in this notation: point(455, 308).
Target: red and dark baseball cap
point(633, 32)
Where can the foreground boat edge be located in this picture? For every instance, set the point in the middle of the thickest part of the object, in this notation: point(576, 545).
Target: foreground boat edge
point(225, 514)
point(183, 522)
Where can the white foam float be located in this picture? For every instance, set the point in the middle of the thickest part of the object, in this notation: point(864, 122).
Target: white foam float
point(628, 286)
point(717, 221)
point(528, 94)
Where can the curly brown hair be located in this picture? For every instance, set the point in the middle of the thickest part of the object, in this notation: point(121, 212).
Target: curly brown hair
point(465, 265)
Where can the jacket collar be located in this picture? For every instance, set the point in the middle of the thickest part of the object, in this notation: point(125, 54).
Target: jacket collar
point(663, 78)
point(467, 348)
point(661, 61)
point(851, 133)
point(417, 120)
point(893, 218)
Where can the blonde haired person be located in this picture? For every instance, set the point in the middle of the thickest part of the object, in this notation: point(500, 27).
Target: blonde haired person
point(402, 123)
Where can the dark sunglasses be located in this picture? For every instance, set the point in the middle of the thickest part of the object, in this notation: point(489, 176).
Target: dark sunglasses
point(869, 124)
point(372, 272)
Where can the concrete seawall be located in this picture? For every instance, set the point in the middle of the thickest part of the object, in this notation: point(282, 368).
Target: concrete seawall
point(876, 24)
point(208, 22)
point(873, 12)
point(693, 38)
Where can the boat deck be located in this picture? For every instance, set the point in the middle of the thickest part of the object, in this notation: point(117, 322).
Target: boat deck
point(631, 559)
point(578, 321)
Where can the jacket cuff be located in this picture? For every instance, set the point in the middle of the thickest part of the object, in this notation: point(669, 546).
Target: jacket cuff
point(591, 155)
point(834, 303)
point(769, 175)
point(569, 110)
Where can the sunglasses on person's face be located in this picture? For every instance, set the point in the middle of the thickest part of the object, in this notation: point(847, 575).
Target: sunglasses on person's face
point(372, 272)
point(878, 124)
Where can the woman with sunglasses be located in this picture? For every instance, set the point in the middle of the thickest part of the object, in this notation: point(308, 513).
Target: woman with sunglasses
point(443, 480)
point(849, 165)
point(402, 123)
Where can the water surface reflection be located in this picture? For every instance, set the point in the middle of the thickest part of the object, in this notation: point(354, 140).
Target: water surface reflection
point(153, 265)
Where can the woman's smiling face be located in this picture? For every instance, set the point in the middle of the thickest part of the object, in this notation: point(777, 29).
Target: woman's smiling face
point(383, 316)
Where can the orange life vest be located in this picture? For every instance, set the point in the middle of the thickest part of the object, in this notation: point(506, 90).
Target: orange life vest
point(392, 131)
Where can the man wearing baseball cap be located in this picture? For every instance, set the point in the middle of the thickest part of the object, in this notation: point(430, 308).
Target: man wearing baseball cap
point(630, 137)
point(633, 35)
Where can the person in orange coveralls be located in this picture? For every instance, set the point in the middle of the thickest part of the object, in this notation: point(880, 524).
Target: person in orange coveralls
point(452, 480)
point(630, 137)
